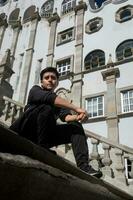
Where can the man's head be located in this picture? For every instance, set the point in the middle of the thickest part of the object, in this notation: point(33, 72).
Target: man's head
point(49, 78)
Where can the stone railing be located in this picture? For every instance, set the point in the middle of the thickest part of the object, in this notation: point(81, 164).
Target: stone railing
point(105, 154)
point(111, 160)
point(11, 111)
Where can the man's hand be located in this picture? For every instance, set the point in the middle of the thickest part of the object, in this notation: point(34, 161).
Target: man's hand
point(82, 117)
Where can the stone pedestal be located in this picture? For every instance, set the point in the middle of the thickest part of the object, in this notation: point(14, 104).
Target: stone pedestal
point(110, 76)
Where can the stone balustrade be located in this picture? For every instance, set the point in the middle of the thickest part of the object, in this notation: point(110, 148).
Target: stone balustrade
point(104, 154)
point(11, 111)
point(112, 159)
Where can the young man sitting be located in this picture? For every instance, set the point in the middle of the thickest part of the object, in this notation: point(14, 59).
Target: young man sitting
point(39, 125)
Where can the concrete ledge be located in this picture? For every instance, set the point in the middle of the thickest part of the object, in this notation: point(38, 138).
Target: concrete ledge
point(13, 144)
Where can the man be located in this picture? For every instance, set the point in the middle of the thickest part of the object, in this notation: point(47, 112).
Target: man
point(39, 121)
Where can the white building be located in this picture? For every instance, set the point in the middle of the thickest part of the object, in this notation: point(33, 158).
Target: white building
point(91, 44)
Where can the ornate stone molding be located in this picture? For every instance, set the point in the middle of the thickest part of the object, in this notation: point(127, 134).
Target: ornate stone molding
point(81, 5)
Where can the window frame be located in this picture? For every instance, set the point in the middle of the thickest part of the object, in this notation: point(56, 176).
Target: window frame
point(96, 20)
point(67, 6)
point(65, 32)
point(120, 11)
point(100, 60)
point(128, 99)
point(124, 50)
point(69, 72)
point(91, 114)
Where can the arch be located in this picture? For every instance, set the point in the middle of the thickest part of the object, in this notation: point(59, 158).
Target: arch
point(47, 9)
point(124, 50)
point(13, 17)
point(28, 13)
point(3, 2)
point(64, 93)
point(94, 59)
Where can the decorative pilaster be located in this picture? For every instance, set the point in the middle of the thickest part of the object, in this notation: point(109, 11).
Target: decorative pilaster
point(110, 76)
point(77, 79)
point(28, 57)
point(16, 29)
point(53, 21)
point(3, 26)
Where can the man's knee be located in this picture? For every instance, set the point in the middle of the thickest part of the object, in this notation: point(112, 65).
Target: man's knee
point(77, 126)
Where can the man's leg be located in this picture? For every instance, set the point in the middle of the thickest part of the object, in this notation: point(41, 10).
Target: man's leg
point(72, 133)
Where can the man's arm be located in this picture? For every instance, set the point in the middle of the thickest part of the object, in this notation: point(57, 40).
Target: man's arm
point(81, 114)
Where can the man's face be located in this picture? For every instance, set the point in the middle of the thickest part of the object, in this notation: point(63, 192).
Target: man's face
point(49, 81)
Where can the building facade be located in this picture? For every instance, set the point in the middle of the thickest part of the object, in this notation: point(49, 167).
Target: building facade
point(90, 43)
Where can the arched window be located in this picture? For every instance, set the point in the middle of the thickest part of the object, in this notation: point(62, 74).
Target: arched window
point(3, 2)
point(14, 16)
point(68, 6)
point(124, 50)
point(47, 9)
point(94, 59)
point(28, 13)
point(124, 14)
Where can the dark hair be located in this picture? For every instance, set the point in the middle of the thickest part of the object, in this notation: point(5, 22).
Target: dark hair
point(49, 69)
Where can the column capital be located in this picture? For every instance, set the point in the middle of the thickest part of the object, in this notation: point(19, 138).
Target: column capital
point(81, 6)
point(35, 16)
point(111, 72)
point(54, 17)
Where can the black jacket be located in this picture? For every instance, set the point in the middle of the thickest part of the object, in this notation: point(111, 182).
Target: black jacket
point(38, 96)
point(36, 99)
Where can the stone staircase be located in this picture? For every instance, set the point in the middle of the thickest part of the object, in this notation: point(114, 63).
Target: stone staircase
point(105, 154)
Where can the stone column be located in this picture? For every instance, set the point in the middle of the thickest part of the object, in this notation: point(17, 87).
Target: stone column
point(110, 76)
point(16, 29)
point(5, 73)
point(3, 25)
point(78, 64)
point(53, 21)
point(28, 58)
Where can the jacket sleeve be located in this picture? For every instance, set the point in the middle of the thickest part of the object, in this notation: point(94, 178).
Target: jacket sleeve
point(39, 96)
point(63, 112)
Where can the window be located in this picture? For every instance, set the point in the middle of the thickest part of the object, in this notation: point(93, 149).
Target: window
point(94, 25)
point(94, 59)
point(127, 101)
point(47, 9)
point(95, 4)
point(68, 6)
point(65, 36)
point(128, 168)
point(29, 13)
point(64, 66)
point(124, 50)
point(14, 16)
point(95, 107)
point(124, 14)
point(3, 2)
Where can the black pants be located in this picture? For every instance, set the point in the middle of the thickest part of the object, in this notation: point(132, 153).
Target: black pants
point(42, 129)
